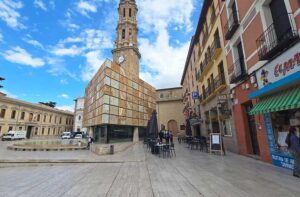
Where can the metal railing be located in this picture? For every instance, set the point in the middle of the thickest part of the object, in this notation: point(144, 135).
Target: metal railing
point(239, 71)
point(269, 43)
point(231, 25)
point(219, 81)
point(215, 45)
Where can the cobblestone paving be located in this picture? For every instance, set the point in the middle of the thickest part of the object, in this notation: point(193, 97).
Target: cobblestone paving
point(139, 173)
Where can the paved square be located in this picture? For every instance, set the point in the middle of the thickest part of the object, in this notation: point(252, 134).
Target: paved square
point(136, 172)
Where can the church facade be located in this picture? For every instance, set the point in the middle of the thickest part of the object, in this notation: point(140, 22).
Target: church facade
point(118, 104)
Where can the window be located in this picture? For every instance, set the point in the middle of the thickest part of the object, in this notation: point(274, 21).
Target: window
point(79, 117)
point(182, 127)
point(36, 131)
point(13, 114)
point(123, 33)
point(30, 116)
point(60, 120)
point(124, 12)
point(161, 95)
point(129, 12)
point(23, 115)
point(55, 119)
point(10, 128)
point(227, 127)
point(45, 118)
point(20, 128)
point(50, 120)
point(0, 129)
point(48, 131)
point(39, 118)
point(130, 32)
point(54, 131)
point(43, 129)
point(2, 114)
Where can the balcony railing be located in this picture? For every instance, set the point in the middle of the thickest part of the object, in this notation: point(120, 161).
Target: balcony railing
point(214, 47)
point(239, 72)
point(269, 44)
point(219, 81)
point(231, 25)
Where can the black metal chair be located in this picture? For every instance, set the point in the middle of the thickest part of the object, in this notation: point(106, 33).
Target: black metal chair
point(166, 151)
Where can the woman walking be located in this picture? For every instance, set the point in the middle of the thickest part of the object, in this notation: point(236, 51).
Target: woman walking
point(293, 143)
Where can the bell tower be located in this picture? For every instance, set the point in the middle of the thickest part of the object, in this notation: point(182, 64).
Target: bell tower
point(126, 52)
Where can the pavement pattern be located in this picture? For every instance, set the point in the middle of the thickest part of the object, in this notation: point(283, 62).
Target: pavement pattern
point(136, 172)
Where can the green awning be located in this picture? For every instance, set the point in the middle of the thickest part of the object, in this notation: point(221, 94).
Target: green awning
point(283, 100)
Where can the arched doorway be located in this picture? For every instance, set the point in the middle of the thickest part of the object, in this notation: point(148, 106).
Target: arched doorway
point(173, 126)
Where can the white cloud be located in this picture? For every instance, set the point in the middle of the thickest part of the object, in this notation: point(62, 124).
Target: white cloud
point(9, 94)
point(40, 4)
point(9, 13)
point(155, 14)
point(64, 81)
point(63, 51)
point(163, 63)
point(58, 67)
point(72, 27)
point(94, 60)
point(84, 7)
point(66, 108)
point(33, 42)
point(65, 96)
point(21, 56)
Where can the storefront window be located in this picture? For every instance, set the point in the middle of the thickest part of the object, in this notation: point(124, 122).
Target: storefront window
point(120, 133)
point(281, 122)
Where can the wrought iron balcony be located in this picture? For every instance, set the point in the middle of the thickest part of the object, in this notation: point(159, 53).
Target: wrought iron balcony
point(215, 48)
point(231, 25)
point(269, 44)
point(239, 72)
point(219, 81)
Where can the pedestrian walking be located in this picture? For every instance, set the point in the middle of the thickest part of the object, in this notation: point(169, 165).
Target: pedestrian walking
point(89, 143)
point(293, 143)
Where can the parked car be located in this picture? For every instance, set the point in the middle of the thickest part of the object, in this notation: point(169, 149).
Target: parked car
point(78, 136)
point(66, 135)
point(14, 135)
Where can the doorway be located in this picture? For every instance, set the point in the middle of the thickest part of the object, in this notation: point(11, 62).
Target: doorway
point(28, 133)
point(197, 130)
point(252, 130)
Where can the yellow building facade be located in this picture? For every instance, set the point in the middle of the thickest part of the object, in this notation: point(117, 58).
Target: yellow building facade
point(36, 119)
point(169, 109)
point(211, 113)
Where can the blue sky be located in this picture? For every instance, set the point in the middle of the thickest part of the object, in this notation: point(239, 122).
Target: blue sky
point(49, 49)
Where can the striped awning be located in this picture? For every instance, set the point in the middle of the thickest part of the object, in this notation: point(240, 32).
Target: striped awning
point(283, 100)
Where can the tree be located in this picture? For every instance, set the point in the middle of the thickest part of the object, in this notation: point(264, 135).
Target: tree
point(50, 104)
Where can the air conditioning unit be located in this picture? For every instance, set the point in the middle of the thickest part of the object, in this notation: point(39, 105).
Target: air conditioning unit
point(253, 79)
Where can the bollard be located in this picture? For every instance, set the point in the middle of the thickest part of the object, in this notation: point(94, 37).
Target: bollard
point(111, 150)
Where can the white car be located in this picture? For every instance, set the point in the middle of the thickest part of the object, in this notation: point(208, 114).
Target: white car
point(66, 135)
point(78, 136)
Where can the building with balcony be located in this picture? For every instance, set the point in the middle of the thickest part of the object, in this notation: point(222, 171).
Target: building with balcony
point(261, 40)
point(207, 59)
point(37, 119)
point(169, 109)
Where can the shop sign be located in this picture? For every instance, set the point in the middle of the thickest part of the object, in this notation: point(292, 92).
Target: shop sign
point(281, 67)
point(278, 159)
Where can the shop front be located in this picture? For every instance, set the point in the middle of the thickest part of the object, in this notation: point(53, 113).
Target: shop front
point(278, 106)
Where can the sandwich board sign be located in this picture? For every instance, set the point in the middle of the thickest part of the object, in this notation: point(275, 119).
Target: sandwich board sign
point(216, 143)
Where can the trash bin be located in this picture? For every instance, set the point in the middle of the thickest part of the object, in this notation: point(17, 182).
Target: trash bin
point(111, 150)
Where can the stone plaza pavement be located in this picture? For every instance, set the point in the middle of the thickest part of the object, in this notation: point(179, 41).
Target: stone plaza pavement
point(136, 172)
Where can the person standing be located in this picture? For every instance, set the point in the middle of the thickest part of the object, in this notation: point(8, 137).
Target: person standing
point(167, 137)
point(161, 134)
point(293, 143)
point(171, 137)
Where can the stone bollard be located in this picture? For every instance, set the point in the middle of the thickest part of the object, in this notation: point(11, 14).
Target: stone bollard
point(111, 149)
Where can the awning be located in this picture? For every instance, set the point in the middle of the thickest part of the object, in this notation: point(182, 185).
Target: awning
point(284, 100)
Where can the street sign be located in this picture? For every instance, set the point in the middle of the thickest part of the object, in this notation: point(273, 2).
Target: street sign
point(195, 95)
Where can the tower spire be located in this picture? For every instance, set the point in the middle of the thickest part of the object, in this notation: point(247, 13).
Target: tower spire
point(126, 52)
